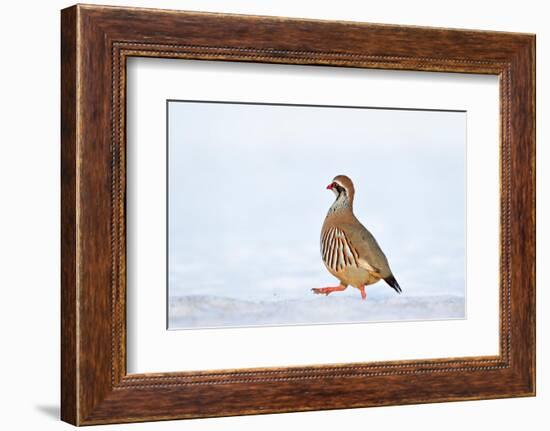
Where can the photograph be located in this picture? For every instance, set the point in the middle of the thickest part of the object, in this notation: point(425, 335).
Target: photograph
point(297, 214)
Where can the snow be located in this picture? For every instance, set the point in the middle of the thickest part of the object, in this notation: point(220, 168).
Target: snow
point(205, 311)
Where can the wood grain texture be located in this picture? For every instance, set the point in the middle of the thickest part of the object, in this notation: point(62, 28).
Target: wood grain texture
point(96, 41)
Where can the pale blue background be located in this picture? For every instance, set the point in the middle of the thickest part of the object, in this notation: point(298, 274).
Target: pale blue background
point(247, 197)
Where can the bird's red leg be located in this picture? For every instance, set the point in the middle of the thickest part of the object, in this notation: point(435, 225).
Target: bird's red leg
point(328, 290)
point(363, 293)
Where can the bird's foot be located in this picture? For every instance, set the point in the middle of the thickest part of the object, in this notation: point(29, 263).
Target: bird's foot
point(327, 290)
point(363, 293)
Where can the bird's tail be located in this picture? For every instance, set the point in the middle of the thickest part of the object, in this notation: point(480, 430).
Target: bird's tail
point(393, 283)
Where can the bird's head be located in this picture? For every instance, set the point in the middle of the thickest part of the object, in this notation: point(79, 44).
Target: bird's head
point(342, 187)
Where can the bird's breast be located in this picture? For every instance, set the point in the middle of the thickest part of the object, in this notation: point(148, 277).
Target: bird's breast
point(337, 251)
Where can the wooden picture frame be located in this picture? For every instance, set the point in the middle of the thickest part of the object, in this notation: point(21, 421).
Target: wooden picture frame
point(95, 43)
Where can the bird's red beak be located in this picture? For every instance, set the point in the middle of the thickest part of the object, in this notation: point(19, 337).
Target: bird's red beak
point(330, 186)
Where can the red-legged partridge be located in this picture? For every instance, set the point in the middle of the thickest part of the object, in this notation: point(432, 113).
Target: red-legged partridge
point(349, 250)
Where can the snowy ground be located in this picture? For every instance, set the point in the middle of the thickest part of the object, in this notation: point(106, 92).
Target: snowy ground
point(204, 311)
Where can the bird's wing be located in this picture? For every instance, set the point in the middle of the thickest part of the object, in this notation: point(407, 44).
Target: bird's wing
point(368, 253)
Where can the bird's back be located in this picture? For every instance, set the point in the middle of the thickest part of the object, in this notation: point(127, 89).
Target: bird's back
point(367, 247)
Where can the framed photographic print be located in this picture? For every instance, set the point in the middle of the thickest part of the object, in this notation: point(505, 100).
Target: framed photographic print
point(265, 214)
